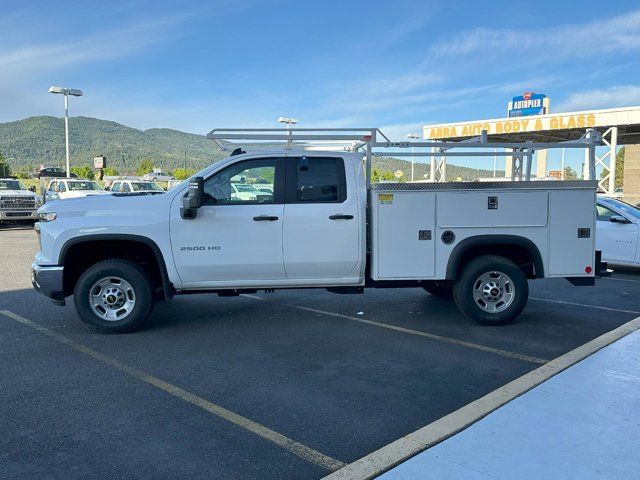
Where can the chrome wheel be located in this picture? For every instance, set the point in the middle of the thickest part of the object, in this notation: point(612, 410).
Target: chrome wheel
point(112, 298)
point(493, 292)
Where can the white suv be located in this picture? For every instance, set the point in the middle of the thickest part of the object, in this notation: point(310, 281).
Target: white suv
point(135, 186)
point(72, 188)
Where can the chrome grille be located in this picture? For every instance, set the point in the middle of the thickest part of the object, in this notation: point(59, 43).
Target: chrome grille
point(16, 202)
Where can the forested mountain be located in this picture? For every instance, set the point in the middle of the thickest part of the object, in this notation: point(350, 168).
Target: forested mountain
point(36, 140)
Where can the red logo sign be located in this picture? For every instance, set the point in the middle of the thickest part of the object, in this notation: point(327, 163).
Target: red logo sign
point(527, 95)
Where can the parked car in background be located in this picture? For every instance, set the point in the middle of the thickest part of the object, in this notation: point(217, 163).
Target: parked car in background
point(67, 188)
point(173, 183)
point(247, 192)
point(265, 188)
point(17, 202)
point(158, 176)
point(53, 172)
point(135, 186)
point(618, 231)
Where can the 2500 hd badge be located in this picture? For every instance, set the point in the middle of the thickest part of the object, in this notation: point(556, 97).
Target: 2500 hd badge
point(200, 248)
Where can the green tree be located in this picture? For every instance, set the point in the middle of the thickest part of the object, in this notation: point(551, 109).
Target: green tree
point(145, 166)
point(570, 174)
point(619, 169)
point(5, 169)
point(383, 175)
point(84, 171)
point(183, 173)
point(110, 172)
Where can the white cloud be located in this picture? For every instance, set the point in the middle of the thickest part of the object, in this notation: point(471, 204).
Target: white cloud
point(398, 132)
point(620, 33)
point(619, 96)
point(101, 46)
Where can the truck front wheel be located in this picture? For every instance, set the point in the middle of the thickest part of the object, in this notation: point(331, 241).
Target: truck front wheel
point(114, 296)
point(491, 290)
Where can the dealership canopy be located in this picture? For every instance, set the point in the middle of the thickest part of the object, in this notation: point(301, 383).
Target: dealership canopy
point(618, 126)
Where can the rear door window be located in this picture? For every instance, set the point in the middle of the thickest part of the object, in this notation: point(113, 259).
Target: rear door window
point(316, 180)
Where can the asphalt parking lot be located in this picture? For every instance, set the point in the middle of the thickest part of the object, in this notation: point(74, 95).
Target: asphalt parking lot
point(289, 384)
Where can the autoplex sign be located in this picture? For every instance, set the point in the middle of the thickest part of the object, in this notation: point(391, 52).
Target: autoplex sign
point(528, 103)
point(515, 125)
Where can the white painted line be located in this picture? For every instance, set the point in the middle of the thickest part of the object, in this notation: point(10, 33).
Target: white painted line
point(598, 307)
point(440, 338)
point(619, 279)
point(396, 452)
point(255, 297)
point(302, 451)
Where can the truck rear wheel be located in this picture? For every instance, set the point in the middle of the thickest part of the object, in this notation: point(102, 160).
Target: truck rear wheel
point(114, 296)
point(491, 290)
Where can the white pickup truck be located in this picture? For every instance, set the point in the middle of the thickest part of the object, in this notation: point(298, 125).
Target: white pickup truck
point(17, 202)
point(323, 227)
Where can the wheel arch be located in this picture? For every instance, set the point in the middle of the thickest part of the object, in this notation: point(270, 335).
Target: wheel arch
point(513, 247)
point(103, 246)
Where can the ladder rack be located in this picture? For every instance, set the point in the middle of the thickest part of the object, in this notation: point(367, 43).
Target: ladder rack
point(365, 140)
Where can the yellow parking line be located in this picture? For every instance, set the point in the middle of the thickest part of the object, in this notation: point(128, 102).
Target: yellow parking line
point(297, 448)
point(585, 305)
point(440, 338)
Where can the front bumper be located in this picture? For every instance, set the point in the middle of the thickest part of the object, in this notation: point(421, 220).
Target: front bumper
point(48, 280)
point(7, 215)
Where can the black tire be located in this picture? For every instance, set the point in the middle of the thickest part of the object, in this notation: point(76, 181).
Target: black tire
point(439, 289)
point(140, 283)
point(493, 291)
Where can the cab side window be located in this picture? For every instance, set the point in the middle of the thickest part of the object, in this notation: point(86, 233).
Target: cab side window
point(125, 188)
point(53, 186)
point(318, 180)
point(238, 183)
point(116, 187)
point(62, 187)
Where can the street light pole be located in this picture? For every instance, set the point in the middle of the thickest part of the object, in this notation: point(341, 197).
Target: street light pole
point(66, 131)
point(289, 121)
point(413, 137)
point(66, 92)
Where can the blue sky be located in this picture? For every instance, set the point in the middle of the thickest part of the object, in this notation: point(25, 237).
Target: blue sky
point(193, 65)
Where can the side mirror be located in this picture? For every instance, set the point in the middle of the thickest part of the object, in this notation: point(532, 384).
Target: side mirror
point(618, 219)
point(194, 198)
point(106, 188)
point(32, 188)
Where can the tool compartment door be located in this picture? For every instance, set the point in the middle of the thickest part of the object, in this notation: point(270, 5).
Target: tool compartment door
point(404, 224)
point(571, 250)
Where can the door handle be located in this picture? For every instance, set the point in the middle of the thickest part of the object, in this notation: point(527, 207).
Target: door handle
point(340, 216)
point(265, 218)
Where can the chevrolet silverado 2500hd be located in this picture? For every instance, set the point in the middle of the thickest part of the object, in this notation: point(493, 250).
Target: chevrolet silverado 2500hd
point(17, 202)
point(323, 226)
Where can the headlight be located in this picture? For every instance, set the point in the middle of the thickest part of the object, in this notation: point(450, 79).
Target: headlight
point(47, 217)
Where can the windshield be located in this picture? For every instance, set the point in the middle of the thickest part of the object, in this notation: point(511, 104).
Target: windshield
point(11, 185)
point(242, 187)
point(83, 186)
point(146, 187)
point(624, 207)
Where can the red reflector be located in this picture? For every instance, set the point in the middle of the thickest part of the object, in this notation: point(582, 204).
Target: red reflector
point(587, 269)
